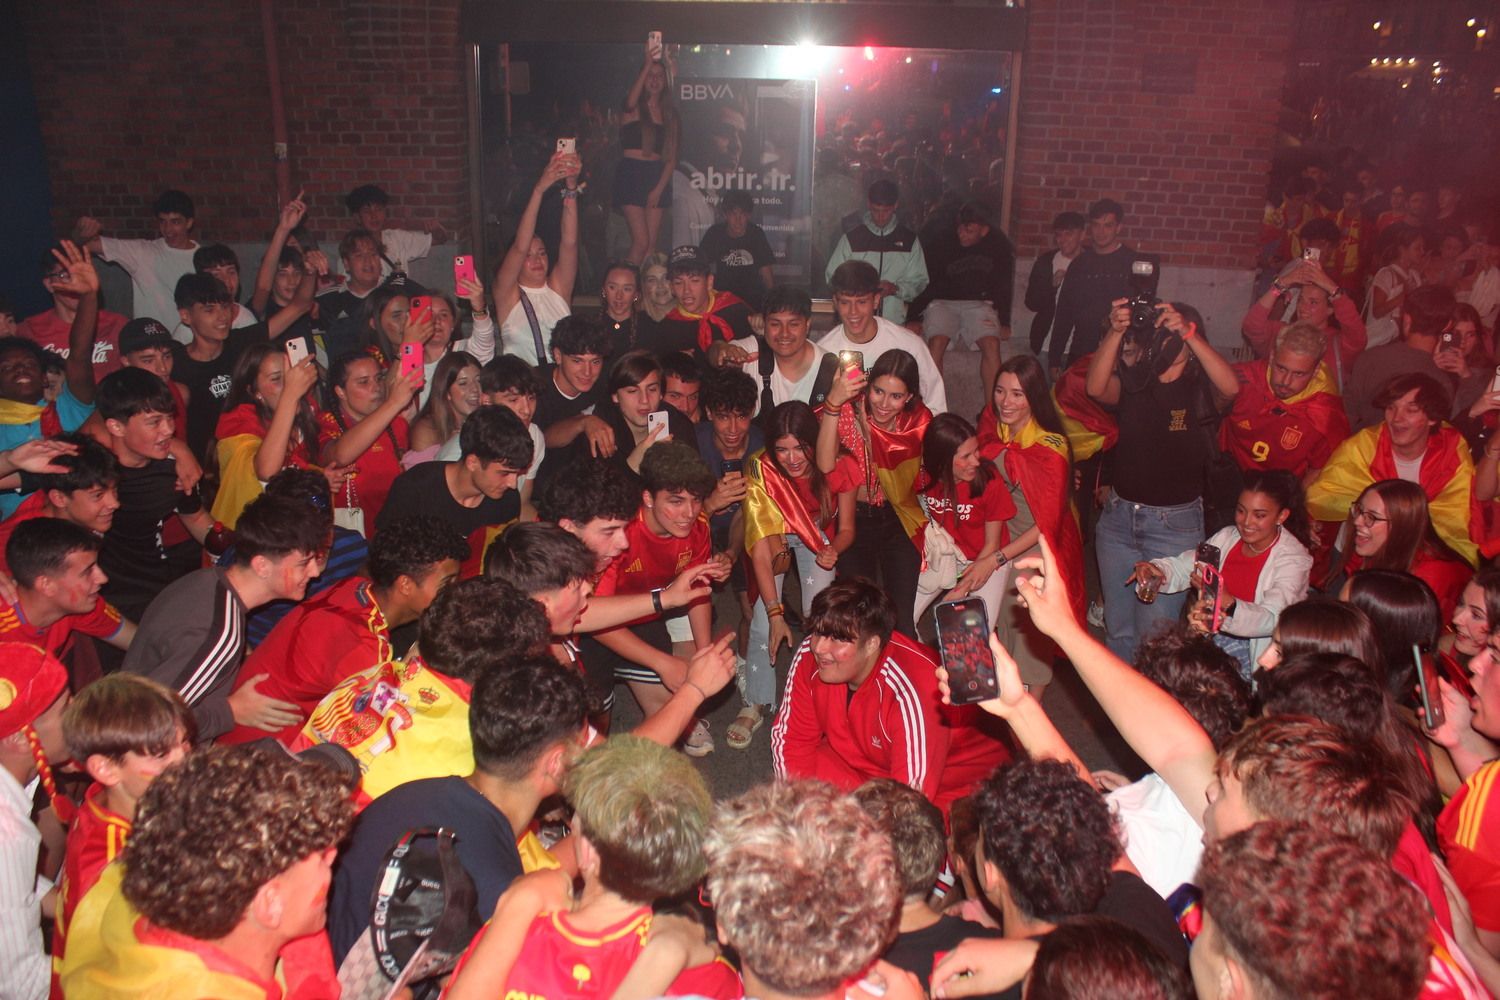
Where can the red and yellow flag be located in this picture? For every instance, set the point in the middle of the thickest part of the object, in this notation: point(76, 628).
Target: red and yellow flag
point(1090, 428)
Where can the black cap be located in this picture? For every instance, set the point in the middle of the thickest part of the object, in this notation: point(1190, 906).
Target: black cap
point(143, 332)
point(685, 259)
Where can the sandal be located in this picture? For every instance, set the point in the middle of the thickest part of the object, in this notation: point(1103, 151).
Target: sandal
point(742, 730)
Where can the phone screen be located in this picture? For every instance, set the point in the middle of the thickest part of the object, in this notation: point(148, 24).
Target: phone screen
point(1427, 686)
point(1208, 568)
point(964, 645)
point(731, 465)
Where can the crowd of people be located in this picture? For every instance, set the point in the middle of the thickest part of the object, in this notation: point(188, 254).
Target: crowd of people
point(317, 600)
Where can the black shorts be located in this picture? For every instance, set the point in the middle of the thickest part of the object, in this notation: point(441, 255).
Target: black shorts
point(634, 180)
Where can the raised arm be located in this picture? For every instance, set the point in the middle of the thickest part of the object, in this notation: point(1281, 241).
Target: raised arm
point(84, 280)
point(314, 264)
point(1225, 382)
point(354, 442)
point(1157, 728)
point(291, 215)
point(508, 277)
point(1101, 382)
point(565, 271)
point(270, 457)
point(843, 391)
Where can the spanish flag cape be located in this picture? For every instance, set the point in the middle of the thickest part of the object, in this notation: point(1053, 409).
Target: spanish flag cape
point(14, 413)
point(711, 326)
point(115, 952)
point(895, 459)
point(774, 507)
point(1090, 428)
point(1038, 460)
point(1446, 476)
point(1319, 403)
point(239, 434)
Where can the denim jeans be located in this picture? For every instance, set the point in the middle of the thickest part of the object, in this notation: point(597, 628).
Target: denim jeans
point(757, 679)
point(1129, 533)
point(1239, 649)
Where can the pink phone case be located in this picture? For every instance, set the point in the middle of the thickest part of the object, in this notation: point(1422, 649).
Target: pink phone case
point(463, 270)
point(411, 359)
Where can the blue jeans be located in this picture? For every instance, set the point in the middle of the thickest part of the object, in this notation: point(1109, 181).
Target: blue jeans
point(1129, 533)
point(757, 676)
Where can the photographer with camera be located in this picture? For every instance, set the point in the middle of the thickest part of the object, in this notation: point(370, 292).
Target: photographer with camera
point(1166, 405)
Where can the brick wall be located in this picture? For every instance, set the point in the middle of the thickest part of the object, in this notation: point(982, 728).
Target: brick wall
point(1167, 107)
point(139, 97)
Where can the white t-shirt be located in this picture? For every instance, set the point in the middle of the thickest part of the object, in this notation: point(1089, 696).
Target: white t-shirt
point(1390, 279)
point(243, 317)
point(403, 246)
point(1161, 839)
point(889, 337)
point(1410, 471)
point(515, 331)
point(1485, 296)
point(154, 269)
point(782, 389)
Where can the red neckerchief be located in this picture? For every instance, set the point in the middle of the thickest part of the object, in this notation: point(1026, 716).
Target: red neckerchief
point(709, 321)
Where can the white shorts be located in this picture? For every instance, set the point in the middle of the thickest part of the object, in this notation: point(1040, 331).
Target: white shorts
point(963, 321)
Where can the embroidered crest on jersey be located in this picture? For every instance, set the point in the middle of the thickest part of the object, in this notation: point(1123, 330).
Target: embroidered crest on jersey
point(1290, 438)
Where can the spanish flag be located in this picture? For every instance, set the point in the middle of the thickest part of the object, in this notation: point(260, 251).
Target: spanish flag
point(239, 433)
point(15, 414)
point(1090, 428)
point(1038, 460)
point(774, 507)
point(1446, 476)
point(896, 459)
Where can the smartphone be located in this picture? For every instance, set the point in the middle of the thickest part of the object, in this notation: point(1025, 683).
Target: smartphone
point(852, 359)
point(1212, 591)
point(1427, 686)
point(653, 44)
point(655, 420)
point(735, 465)
point(963, 632)
point(568, 146)
point(297, 350)
point(421, 308)
point(411, 359)
point(1448, 341)
point(463, 270)
point(1312, 253)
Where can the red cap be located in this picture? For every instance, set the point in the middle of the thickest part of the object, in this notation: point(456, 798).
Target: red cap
point(30, 681)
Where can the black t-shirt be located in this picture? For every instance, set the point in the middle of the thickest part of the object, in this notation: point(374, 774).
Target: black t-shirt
point(553, 407)
point(485, 843)
point(207, 383)
point(738, 260)
point(682, 334)
point(1162, 451)
point(1135, 904)
point(302, 326)
point(916, 951)
point(137, 559)
point(422, 490)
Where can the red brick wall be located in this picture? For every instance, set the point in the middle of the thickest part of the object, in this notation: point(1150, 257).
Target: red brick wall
point(1190, 168)
point(139, 97)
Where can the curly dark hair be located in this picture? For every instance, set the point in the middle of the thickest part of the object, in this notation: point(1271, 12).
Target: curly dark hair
point(729, 390)
point(520, 709)
point(1051, 836)
point(588, 490)
point(1203, 678)
point(411, 546)
point(1275, 889)
point(1088, 957)
point(476, 623)
point(213, 829)
point(674, 466)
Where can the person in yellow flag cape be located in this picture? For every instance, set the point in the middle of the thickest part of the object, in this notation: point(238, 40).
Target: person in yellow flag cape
point(1414, 443)
point(223, 889)
point(405, 720)
point(879, 417)
point(267, 424)
point(793, 510)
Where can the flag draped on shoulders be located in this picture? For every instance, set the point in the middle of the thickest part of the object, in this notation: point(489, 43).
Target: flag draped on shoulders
point(1037, 459)
point(239, 434)
point(1297, 434)
point(774, 507)
point(711, 326)
point(895, 460)
point(18, 414)
point(1446, 477)
point(1090, 428)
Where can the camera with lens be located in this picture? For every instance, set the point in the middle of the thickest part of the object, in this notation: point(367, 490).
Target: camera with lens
point(1143, 300)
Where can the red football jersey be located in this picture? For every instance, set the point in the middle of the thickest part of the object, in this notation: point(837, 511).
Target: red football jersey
point(96, 838)
point(652, 561)
point(558, 960)
point(1296, 435)
point(102, 622)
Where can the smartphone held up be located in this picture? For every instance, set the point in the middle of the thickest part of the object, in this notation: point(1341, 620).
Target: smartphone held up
point(964, 645)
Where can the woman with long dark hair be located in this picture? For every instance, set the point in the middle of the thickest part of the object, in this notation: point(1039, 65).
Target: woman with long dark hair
point(1392, 530)
point(649, 134)
point(880, 419)
point(1263, 568)
point(1405, 613)
point(362, 427)
point(1323, 625)
point(1021, 432)
point(795, 515)
point(267, 425)
point(967, 501)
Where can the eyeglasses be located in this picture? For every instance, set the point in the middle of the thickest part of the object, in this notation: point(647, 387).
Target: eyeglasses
point(1360, 515)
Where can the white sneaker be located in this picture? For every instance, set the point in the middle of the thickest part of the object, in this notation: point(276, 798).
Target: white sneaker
point(1096, 614)
point(699, 742)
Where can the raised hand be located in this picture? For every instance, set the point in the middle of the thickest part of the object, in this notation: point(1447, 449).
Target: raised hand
point(292, 213)
point(81, 278)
